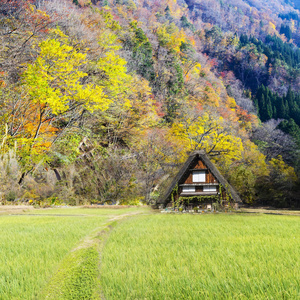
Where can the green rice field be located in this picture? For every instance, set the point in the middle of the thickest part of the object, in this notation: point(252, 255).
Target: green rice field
point(135, 253)
point(34, 243)
point(203, 257)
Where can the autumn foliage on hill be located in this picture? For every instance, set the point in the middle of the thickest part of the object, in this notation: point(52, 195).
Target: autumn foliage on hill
point(102, 100)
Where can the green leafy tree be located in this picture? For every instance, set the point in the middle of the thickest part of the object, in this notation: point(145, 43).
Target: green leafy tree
point(142, 53)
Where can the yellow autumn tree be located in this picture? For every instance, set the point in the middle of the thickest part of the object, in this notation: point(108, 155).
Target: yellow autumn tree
point(55, 92)
point(280, 186)
point(175, 9)
point(54, 80)
point(243, 174)
point(282, 170)
point(170, 36)
point(206, 132)
point(113, 72)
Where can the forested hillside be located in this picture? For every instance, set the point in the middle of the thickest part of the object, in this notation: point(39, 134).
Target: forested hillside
point(101, 101)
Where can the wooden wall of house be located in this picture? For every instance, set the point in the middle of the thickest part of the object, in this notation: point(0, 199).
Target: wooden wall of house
point(187, 178)
point(198, 189)
point(199, 165)
point(209, 178)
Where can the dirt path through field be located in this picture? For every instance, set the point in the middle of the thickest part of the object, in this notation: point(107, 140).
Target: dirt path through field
point(18, 209)
point(280, 212)
point(78, 260)
point(119, 217)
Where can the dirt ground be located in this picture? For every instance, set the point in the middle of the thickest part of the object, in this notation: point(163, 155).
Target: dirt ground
point(271, 211)
point(11, 209)
point(16, 209)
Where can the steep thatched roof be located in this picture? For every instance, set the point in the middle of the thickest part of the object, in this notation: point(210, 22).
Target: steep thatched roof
point(213, 169)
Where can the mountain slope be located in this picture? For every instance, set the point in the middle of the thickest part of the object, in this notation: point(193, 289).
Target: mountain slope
point(110, 97)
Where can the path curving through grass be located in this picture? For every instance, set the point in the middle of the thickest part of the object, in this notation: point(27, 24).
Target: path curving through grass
point(35, 245)
point(132, 253)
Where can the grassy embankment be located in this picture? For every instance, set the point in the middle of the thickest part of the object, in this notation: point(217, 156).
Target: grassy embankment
point(203, 257)
point(35, 257)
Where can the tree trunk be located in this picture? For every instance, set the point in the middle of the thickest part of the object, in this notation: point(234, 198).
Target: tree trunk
point(58, 177)
point(22, 178)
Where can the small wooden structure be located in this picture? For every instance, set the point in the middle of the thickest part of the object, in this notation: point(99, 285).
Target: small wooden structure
point(199, 184)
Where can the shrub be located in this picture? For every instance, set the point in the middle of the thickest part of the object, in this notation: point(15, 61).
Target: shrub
point(11, 196)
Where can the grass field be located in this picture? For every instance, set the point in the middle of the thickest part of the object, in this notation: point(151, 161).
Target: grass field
point(203, 257)
point(77, 253)
point(33, 244)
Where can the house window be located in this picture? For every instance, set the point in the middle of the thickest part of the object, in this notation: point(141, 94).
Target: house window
point(199, 176)
point(188, 189)
point(210, 188)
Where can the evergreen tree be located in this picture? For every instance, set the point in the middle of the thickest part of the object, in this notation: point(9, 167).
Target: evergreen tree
point(269, 114)
point(290, 127)
point(273, 106)
point(275, 112)
point(186, 24)
point(286, 30)
point(142, 53)
point(261, 24)
point(168, 12)
point(290, 97)
point(262, 108)
point(282, 110)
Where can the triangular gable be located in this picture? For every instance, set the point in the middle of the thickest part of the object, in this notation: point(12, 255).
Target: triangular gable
point(185, 170)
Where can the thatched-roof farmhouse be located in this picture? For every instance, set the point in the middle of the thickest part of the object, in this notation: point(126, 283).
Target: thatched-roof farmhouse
point(199, 183)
